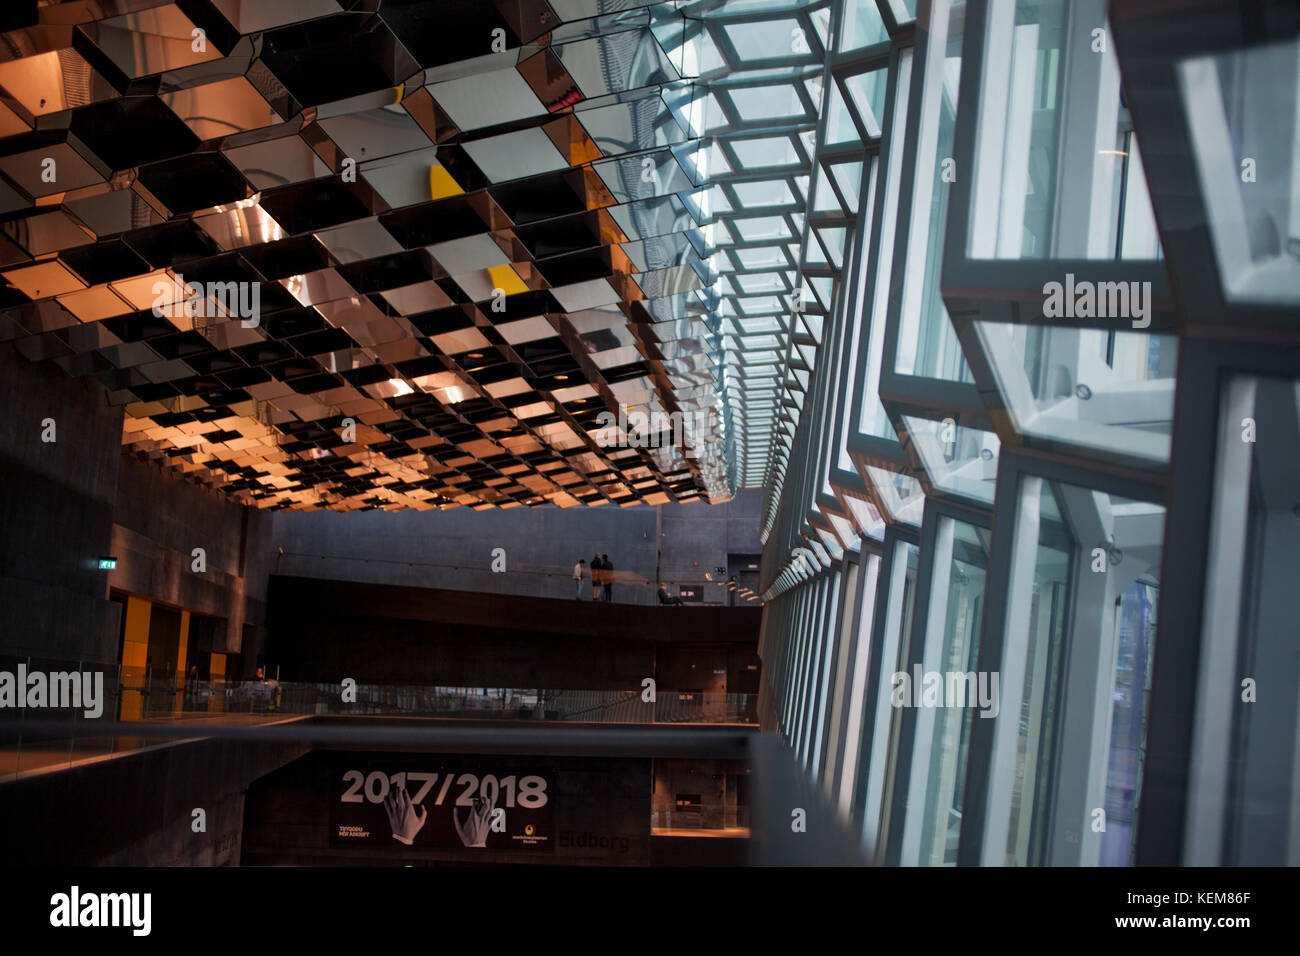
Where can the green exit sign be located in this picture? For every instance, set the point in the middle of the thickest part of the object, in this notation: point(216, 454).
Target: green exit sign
point(107, 564)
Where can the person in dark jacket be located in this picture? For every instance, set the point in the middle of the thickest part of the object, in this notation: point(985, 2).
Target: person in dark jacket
point(597, 570)
point(607, 572)
point(666, 598)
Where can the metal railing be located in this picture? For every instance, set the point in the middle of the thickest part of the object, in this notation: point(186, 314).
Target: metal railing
point(47, 734)
point(426, 700)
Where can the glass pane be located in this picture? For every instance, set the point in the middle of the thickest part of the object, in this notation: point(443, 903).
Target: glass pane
point(839, 124)
point(821, 21)
point(873, 419)
point(904, 10)
point(824, 646)
point(822, 287)
point(848, 176)
point(834, 240)
point(1056, 171)
point(868, 92)
point(762, 257)
point(854, 309)
point(1134, 654)
point(769, 39)
point(867, 517)
point(1042, 655)
point(927, 346)
point(767, 102)
point(766, 152)
point(950, 663)
point(902, 495)
point(844, 528)
point(1110, 391)
point(770, 192)
point(815, 255)
point(1245, 132)
point(1138, 236)
point(759, 228)
point(862, 26)
point(1078, 646)
point(959, 461)
point(824, 200)
point(887, 720)
point(1248, 792)
point(763, 282)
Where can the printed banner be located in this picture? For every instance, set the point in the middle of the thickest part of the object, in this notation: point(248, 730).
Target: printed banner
point(447, 807)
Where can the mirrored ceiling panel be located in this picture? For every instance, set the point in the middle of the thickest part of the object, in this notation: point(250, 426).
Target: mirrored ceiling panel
point(401, 263)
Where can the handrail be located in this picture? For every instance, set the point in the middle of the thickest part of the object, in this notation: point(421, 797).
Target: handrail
point(47, 737)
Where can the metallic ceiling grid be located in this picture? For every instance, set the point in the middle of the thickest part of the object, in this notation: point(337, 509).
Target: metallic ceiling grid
point(405, 254)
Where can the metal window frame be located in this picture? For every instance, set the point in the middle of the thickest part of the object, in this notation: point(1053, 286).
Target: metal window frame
point(1205, 368)
point(866, 568)
point(832, 767)
point(1149, 52)
point(1013, 466)
point(906, 393)
point(935, 511)
point(864, 448)
point(1010, 290)
point(894, 536)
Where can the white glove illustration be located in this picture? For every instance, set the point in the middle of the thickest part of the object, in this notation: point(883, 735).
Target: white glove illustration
point(475, 830)
point(404, 817)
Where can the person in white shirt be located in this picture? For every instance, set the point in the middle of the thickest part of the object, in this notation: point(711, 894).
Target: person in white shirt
point(577, 576)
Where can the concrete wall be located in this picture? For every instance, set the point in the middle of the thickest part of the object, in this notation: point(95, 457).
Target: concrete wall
point(323, 631)
point(68, 502)
point(380, 651)
point(56, 514)
point(160, 520)
point(454, 549)
point(722, 669)
point(716, 782)
point(697, 538)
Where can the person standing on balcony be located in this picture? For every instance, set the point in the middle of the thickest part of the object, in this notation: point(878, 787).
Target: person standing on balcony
point(607, 572)
point(597, 570)
point(577, 577)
